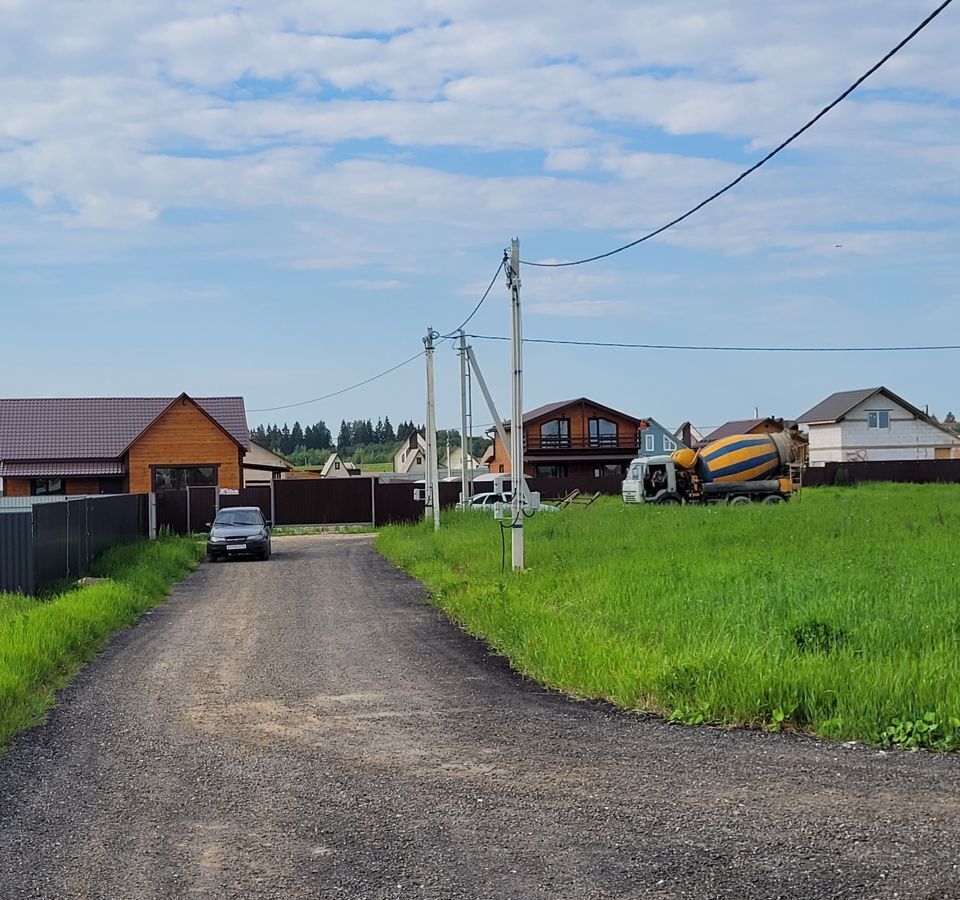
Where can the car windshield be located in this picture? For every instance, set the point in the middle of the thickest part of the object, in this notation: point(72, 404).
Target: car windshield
point(239, 517)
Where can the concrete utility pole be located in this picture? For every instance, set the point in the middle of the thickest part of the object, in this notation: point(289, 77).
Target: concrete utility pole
point(431, 483)
point(464, 477)
point(512, 266)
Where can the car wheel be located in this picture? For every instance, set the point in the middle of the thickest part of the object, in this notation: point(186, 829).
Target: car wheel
point(772, 500)
point(265, 555)
point(668, 500)
point(739, 501)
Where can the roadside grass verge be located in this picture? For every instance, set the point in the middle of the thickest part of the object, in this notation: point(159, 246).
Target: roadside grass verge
point(837, 615)
point(44, 642)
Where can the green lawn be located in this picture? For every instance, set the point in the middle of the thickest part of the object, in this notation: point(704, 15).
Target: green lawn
point(44, 642)
point(838, 614)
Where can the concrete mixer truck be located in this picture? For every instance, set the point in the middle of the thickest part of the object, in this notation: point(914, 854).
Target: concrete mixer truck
point(741, 468)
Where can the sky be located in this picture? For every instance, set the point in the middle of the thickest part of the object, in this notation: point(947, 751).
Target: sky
point(278, 199)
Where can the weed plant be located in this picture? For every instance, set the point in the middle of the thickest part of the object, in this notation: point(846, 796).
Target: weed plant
point(43, 642)
point(838, 614)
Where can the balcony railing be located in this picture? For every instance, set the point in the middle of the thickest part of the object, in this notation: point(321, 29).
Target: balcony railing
point(546, 442)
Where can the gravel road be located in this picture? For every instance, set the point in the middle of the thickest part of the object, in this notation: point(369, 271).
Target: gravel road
point(309, 728)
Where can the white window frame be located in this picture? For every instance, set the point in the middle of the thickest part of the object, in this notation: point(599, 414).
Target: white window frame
point(650, 443)
point(875, 416)
point(669, 444)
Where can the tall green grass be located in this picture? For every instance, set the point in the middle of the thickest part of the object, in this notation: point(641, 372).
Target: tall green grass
point(837, 615)
point(44, 642)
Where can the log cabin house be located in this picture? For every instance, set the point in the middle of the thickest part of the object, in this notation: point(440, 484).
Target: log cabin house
point(572, 438)
point(121, 445)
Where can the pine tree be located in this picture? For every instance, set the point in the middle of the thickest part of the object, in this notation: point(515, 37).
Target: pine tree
point(388, 436)
point(343, 440)
point(296, 436)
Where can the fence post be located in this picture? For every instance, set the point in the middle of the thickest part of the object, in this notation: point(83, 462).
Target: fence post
point(188, 509)
point(152, 516)
point(273, 508)
point(373, 501)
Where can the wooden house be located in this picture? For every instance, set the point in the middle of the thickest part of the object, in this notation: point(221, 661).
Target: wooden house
point(121, 445)
point(572, 438)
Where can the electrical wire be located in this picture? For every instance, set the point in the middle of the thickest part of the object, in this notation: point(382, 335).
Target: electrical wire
point(758, 164)
point(622, 345)
point(476, 309)
point(342, 390)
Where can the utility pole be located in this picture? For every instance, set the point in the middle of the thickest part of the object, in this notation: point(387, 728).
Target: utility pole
point(431, 483)
point(464, 479)
point(512, 266)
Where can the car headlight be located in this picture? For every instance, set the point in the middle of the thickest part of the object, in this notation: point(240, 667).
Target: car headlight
point(216, 540)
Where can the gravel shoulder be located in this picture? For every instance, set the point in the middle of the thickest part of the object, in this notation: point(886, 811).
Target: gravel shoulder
point(309, 727)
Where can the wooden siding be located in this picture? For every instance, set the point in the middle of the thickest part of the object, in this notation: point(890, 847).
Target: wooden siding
point(16, 487)
point(579, 416)
point(183, 436)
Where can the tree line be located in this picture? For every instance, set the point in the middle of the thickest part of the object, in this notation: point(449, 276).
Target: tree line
point(289, 440)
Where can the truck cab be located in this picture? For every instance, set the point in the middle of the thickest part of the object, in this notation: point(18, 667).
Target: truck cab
point(651, 479)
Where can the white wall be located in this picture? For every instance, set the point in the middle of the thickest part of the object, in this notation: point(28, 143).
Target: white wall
point(851, 439)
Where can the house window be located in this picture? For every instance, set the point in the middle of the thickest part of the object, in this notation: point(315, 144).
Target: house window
point(40, 487)
point(500, 468)
point(176, 478)
point(603, 433)
point(336, 465)
point(651, 443)
point(878, 418)
point(607, 469)
point(669, 445)
point(552, 471)
point(555, 433)
point(419, 460)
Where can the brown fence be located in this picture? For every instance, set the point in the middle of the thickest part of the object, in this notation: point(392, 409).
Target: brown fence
point(338, 501)
point(916, 471)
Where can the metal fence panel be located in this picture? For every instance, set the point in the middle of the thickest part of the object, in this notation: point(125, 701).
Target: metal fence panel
point(915, 471)
point(16, 552)
point(51, 544)
point(335, 501)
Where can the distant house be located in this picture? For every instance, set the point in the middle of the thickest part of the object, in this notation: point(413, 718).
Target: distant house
point(655, 440)
point(874, 424)
point(767, 425)
point(260, 465)
point(116, 445)
point(572, 437)
point(411, 456)
point(689, 435)
point(456, 458)
point(335, 467)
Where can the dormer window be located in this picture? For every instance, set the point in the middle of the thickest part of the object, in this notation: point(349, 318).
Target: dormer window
point(878, 418)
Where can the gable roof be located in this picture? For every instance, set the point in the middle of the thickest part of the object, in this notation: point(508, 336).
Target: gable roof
point(838, 405)
point(736, 426)
point(335, 457)
point(549, 408)
point(99, 427)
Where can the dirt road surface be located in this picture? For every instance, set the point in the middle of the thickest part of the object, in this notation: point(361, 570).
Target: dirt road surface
point(310, 728)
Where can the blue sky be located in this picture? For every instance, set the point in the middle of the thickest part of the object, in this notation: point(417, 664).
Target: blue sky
point(277, 199)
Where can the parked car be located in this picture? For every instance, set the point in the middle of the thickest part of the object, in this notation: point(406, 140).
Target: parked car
point(239, 531)
point(489, 499)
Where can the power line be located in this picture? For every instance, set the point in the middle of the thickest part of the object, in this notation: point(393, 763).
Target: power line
point(476, 309)
point(342, 390)
point(492, 337)
point(756, 165)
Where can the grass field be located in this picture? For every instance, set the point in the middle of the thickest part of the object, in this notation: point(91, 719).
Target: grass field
point(837, 615)
point(44, 642)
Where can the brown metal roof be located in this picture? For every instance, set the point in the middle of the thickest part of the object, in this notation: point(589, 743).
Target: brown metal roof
point(77, 468)
point(737, 426)
point(548, 408)
point(97, 427)
point(837, 405)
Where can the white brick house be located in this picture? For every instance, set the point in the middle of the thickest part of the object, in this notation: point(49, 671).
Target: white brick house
point(871, 425)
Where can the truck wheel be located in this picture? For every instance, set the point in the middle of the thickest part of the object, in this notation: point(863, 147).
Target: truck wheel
point(739, 501)
point(772, 500)
point(668, 500)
